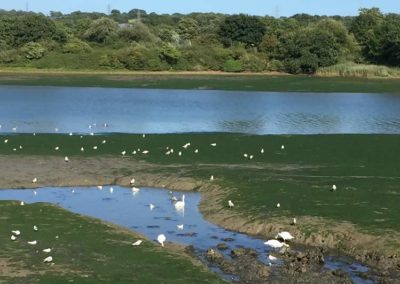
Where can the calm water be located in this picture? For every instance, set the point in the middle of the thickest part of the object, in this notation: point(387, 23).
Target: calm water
point(42, 109)
point(132, 211)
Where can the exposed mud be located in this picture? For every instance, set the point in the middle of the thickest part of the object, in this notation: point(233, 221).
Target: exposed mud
point(18, 172)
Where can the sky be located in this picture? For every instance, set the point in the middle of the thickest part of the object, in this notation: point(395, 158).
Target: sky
point(253, 7)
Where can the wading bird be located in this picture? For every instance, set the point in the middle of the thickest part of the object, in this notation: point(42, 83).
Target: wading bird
point(13, 238)
point(132, 181)
point(334, 187)
point(48, 259)
point(161, 239)
point(32, 242)
point(16, 232)
point(278, 205)
point(180, 227)
point(66, 159)
point(137, 243)
point(230, 203)
point(34, 180)
point(35, 228)
point(47, 250)
point(283, 147)
point(152, 206)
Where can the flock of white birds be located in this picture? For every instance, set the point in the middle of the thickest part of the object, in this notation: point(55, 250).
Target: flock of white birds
point(280, 240)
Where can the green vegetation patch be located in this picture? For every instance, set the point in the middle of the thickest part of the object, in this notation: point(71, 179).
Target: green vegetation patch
point(84, 250)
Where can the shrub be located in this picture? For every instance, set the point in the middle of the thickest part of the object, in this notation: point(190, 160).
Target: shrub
point(232, 65)
point(33, 50)
point(8, 56)
point(76, 46)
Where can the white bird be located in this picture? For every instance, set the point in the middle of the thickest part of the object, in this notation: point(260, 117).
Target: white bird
point(144, 135)
point(103, 142)
point(186, 145)
point(135, 189)
point(275, 244)
point(32, 242)
point(132, 181)
point(57, 148)
point(262, 151)
point(278, 205)
point(16, 232)
point(70, 134)
point(285, 236)
point(137, 243)
point(56, 129)
point(94, 147)
point(172, 151)
point(179, 205)
point(34, 192)
point(73, 191)
point(13, 238)
point(47, 250)
point(66, 159)
point(145, 152)
point(82, 149)
point(20, 147)
point(48, 259)
point(245, 155)
point(152, 206)
point(272, 258)
point(168, 153)
point(14, 129)
point(283, 147)
point(213, 144)
point(251, 157)
point(35, 228)
point(22, 203)
point(334, 187)
point(161, 239)
point(180, 227)
point(230, 203)
point(123, 153)
point(196, 151)
point(6, 141)
point(34, 180)
point(100, 187)
point(111, 190)
point(134, 152)
point(294, 222)
point(91, 134)
point(212, 178)
point(173, 198)
point(179, 153)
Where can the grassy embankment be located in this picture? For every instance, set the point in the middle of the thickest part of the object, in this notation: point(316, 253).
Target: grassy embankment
point(196, 80)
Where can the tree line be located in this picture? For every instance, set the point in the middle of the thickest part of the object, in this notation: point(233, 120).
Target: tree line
point(136, 40)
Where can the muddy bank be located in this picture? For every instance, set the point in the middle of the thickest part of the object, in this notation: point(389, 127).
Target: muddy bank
point(18, 172)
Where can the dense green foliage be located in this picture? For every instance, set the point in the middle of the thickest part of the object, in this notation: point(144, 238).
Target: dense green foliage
point(197, 42)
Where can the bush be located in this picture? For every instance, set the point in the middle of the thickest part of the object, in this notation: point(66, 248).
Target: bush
point(33, 50)
point(232, 65)
point(8, 56)
point(76, 46)
point(253, 63)
point(170, 54)
point(141, 57)
point(110, 61)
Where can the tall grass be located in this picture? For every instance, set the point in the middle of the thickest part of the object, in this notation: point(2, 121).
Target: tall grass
point(359, 70)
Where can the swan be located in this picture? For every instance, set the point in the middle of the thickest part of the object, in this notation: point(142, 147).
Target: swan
point(180, 204)
point(186, 145)
point(230, 203)
point(161, 239)
point(285, 236)
point(48, 259)
point(173, 198)
point(32, 242)
point(180, 227)
point(47, 250)
point(137, 243)
point(275, 244)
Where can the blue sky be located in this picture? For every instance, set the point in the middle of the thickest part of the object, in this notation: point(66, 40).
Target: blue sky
point(256, 7)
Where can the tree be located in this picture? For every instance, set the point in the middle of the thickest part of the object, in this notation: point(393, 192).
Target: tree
point(136, 32)
point(33, 50)
point(188, 28)
point(246, 29)
point(100, 30)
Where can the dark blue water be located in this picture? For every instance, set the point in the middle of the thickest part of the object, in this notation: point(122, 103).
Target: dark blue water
point(42, 109)
point(131, 210)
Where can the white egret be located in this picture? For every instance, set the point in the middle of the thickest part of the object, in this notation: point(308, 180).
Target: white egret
point(272, 258)
point(285, 236)
point(262, 151)
point(213, 144)
point(179, 153)
point(137, 243)
point(66, 159)
point(173, 198)
point(16, 232)
point(22, 203)
point(35, 192)
point(179, 205)
point(32, 243)
point(145, 152)
point(48, 259)
point(230, 203)
point(294, 222)
point(111, 189)
point(152, 206)
point(35, 228)
point(278, 205)
point(132, 181)
point(144, 135)
point(47, 250)
point(334, 187)
point(70, 134)
point(172, 151)
point(135, 189)
point(34, 180)
point(6, 141)
point(196, 151)
point(57, 148)
point(180, 227)
point(20, 147)
point(211, 177)
point(14, 129)
point(283, 147)
point(245, 155)
point(251, 157)
point(275, 244)
point(13, 238)
point(161, 239)
point(134, 152)
point(94, 147)
point(123, 153)
point(100, 187)
point(82, 149)
point(168, 153)
point(103, 142)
